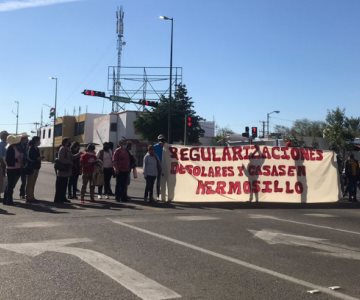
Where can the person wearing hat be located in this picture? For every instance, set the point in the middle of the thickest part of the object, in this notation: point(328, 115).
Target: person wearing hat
point(14, 161)
point(3, 136)
point(121, 161)
point(158, 148)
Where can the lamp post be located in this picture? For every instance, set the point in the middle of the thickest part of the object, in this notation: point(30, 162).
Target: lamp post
point(53, 141)
point(17, 117)
point(170, 80)
point(268, 120)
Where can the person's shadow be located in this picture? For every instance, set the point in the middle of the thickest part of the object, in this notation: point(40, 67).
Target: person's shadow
point(300, 177)
point(256, 161)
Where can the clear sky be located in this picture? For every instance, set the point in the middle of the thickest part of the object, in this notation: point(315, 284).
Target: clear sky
point(241, 59)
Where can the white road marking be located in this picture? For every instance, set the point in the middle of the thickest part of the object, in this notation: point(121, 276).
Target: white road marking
point(321, 215)
point(142, 286)
point(240, 262)
point(37, 224)
point(4, 263)
point(196, 218)
point(337, 250)
point(302, 223)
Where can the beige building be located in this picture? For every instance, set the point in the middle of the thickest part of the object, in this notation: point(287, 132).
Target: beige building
point(100, 128)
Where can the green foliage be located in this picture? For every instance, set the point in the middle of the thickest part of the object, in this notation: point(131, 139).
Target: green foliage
point(151, 123)
point(305, 127)
point(339, 130)
point(222, 135)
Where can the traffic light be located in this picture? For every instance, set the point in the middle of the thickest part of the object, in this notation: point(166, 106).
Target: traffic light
point(93, 93)
point(52, 112)
point(148, 103)
point(189, 121)
point(254, 132)
point(246, 133)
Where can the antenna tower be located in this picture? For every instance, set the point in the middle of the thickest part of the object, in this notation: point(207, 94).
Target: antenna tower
point(120, 43)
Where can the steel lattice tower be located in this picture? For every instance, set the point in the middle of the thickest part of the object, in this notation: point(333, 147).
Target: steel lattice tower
point(120, 43)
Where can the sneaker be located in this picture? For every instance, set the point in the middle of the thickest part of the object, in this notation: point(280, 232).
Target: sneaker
point(99, 197)
point(106, 197)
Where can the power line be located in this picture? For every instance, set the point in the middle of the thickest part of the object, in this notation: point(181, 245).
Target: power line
point(13, 124)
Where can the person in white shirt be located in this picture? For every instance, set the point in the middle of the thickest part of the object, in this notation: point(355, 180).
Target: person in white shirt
point(151, 168)
point(105, 155)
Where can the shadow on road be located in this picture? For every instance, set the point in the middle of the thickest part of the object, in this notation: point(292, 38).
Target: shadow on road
point(5, 212)
point(267, 205)
point(159, 204)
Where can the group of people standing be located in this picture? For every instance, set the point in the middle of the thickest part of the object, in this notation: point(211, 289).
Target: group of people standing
point(97, 169)
point(19, 159)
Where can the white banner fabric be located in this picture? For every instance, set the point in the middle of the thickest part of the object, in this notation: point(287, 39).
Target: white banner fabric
point(249, 173)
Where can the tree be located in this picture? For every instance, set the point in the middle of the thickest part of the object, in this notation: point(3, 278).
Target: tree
point(222, 134)
point(353, 125)
point(336, 131)
point(305, 127)
point(151, 123)
point(282, 130)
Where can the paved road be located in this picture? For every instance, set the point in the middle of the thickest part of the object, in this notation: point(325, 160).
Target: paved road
point(107, 250)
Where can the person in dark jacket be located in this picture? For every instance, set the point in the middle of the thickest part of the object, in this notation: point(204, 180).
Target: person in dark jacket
point(23, 146)
point(132, 166)
point(33, 162)
point(14, 161)
point(76, 170)
point(352, 172)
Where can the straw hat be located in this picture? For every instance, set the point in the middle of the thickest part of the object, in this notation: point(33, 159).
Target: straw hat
point(13, 139)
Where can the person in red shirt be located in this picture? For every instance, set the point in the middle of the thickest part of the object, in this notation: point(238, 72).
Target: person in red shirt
point(121, 162)
point(87, 162)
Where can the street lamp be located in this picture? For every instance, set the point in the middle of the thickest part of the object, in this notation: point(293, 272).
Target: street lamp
point(268, 119)
point(53, 142)
point(17, 116)
point(170, 85)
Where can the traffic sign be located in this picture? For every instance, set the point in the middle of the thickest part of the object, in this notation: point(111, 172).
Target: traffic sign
point(120, 99)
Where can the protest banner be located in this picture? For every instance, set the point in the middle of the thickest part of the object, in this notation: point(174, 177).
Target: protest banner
point(249, 173)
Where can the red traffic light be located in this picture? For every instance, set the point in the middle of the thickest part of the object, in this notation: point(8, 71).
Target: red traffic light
point(93, 93)
point(148, 103)
point(254, 132)
point(189, 122)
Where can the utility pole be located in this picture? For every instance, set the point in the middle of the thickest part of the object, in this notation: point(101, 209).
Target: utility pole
point(17, 116)
point(263, 128)
point(36, 126)
point(185, 133)
point(41, 117)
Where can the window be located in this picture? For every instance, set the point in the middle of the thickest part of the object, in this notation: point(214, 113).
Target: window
point(113, 127)
point(79, 128)
point(49, 133)
point(58, 130)
point(43, 134)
